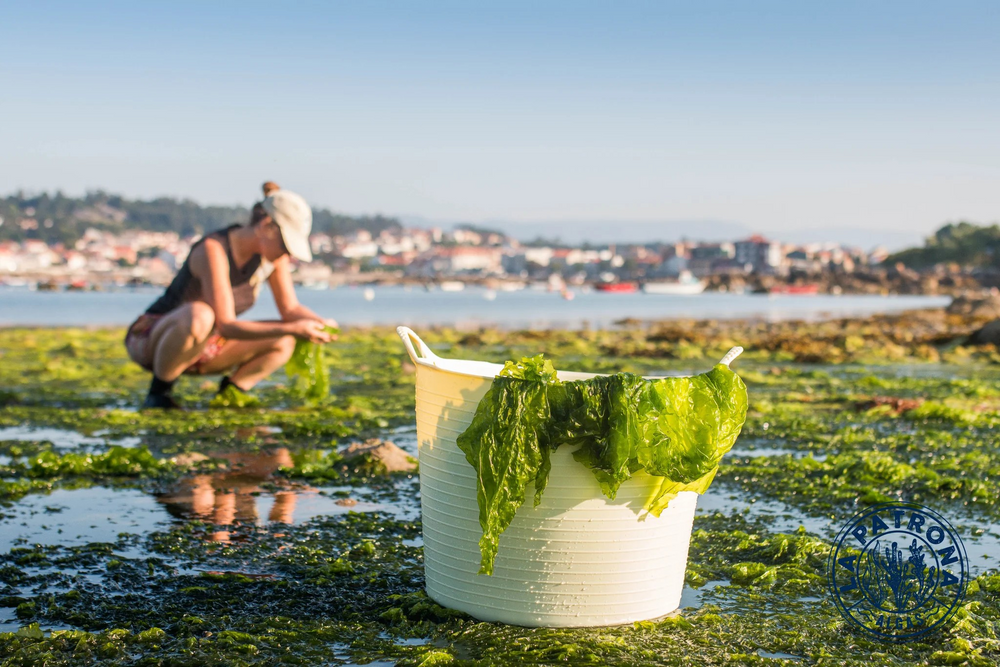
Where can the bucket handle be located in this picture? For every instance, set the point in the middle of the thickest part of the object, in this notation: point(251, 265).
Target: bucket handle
point(409, 338)
point(731, 355)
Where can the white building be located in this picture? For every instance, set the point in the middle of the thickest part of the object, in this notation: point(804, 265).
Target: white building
point(759, 253)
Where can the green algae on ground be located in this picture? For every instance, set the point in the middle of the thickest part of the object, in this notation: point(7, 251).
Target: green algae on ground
point(254, 604)
point(348, 590)
point(43, 471)
point(101, 397)
point(231, 397)
point(317, 467)
point(869, 478)
point(115, 462)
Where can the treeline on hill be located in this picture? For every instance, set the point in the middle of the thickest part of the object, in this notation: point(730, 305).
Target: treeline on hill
point(962, 243)
point(58, 218)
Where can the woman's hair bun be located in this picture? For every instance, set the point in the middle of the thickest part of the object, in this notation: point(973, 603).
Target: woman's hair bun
point(270, 187)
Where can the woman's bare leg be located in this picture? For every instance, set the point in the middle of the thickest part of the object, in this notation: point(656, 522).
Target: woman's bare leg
point(179, 338)
point(256, 359)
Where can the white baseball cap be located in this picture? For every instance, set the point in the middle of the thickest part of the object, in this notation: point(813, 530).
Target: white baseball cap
point(294, 218)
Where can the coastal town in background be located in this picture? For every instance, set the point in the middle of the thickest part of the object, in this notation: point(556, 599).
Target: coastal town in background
point(103, 242)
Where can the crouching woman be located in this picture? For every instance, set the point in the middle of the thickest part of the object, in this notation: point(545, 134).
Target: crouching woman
point(193, 328)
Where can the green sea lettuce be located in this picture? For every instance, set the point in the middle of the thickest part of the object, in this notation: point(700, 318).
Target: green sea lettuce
point(673, 428)
point(307, 367)
point(508, 445)
point(536, 368)
point(231, 397)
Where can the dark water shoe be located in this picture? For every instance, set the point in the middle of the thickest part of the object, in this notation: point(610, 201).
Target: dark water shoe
point(160, 402)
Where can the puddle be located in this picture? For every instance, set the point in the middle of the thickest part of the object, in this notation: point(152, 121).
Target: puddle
point(405, 641)
point(778, 656)
point(983, 550)
point(342, 653)
point(225, 501)
point(77, 516)
point(249, 493)
point(401, 500)
point(778, 516)
point(414, 641)
point(926, 370)
point(245, 493)
point(773, 451)
point(405, 438)
point(692, 597)
point(9, 621)
point(64, 438)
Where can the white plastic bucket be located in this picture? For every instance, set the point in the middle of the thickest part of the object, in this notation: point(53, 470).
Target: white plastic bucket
point(576, 560)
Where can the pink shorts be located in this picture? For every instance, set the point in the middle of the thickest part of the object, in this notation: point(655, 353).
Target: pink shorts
point(140, 351)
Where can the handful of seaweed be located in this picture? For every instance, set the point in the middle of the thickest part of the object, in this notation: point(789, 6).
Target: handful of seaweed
point(307, 367)
point(674, 428)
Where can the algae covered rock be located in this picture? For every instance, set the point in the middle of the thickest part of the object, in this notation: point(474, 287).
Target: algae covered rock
point(377, 456)
point(977, 306)
point(989, 334)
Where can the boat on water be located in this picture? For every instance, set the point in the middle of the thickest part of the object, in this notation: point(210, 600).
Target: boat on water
point(809, 288)
point(685, 284)
point(616, 288)
point(14, 282)
point(79, 285)
point(452, 286)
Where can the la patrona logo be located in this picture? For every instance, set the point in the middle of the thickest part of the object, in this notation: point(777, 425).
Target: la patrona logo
point(898, 571)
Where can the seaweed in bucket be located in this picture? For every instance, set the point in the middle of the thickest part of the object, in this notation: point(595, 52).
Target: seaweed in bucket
point(674, 428)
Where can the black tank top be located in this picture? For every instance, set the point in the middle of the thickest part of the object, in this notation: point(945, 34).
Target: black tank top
point(186, 287)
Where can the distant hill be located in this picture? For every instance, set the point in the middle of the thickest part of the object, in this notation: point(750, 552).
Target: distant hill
point(963, 243)
point(57, 218)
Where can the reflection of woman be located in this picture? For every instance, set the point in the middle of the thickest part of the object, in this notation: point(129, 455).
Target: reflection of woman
point(193, 328)
point(226, 497)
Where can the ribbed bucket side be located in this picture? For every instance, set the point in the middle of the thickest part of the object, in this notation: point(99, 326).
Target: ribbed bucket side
point(577, 560)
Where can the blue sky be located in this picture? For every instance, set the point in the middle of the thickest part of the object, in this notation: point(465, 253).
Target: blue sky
point(781, 116)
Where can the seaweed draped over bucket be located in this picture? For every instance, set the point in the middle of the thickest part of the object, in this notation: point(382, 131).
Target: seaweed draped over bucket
point(673, 428)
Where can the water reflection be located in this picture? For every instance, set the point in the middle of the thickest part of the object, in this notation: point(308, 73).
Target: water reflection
point(62, 438)
point(232, 495)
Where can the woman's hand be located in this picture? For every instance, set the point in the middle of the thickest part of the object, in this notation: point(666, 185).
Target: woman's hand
point(310, 330)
